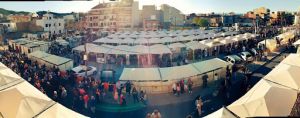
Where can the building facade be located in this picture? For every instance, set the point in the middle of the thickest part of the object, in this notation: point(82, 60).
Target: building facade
point(297, 18)
point(172, 15)
point(19, 18)
point(114, 16)
point(9, 27)
point(261, 12)
point(51, 24)
point(151, 24)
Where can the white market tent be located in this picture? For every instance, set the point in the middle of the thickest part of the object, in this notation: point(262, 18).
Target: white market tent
point(19, 99)
point(159, 49)
point(194, 45)
point(140, 74)
point(172, 73)
point(178, 72)
point(60, 62)
point(141, 49)
point(52, 60)
point(176, 45)
point(221, 113)
point(292, 59)
point(265, 99)
point(59, 111)
point(38, 55)
point(7, 75)
point(210, 65)
point(297, 43)
point(211, 43)
point(270, 44)
point(227, 41)
point(22, 101)
point(286, 75)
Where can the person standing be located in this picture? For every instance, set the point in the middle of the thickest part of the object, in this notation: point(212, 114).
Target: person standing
point(135, 95)
point(93, 104)
point(199, 105)
point(174, 88)
point(156, 114)
point(190, 85)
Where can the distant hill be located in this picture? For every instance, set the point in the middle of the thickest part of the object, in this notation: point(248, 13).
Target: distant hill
point(8, 12)
point(41, 13)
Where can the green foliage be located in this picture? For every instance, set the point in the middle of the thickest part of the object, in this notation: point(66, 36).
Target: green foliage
point(8, 12)
point(201, 22)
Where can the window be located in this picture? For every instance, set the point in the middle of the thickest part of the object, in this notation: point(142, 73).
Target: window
point(54, 24)
point(8, 25)
point(50, 18)
point(59, 31)
point(58, 24)
point(49, 25)
point(46, 25)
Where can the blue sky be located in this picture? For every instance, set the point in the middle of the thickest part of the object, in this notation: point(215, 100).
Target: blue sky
point(186, 6)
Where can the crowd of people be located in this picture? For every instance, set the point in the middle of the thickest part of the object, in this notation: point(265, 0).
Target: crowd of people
point(81, 94)
point(182, 86)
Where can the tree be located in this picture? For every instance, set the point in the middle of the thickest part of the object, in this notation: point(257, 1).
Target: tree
point(201, 22)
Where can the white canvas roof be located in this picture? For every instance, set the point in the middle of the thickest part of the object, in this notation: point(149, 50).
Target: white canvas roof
point(227, 41)
point(140, 74)
point(178, 72)
point(286, 75)
point(292, 59)
point(7, 75)
point(296, 43)
point(194, 45)
point(176, 45)
point(211, 43)
point(141, 49)
point(22, 101)
point(210, 65)
point(59, 111)
point(39, 54)
point(159, 49)
point(56, 60)
point(265, 99)
point(221, 113)
point(141, 41)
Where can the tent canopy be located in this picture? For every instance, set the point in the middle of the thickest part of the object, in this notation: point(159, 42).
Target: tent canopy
point(159, 49)
point(7, 75)
point(221, 113)
point(292, 59)
point(265, 99)
point(210, 65)
point(194, 45)
point(38, 54)
point(23, 101)
point(176, 45)
point(178, 72)
point(140, 74)
point(59, 111)
point(56, 60)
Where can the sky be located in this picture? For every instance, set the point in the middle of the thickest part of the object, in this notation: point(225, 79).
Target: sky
point(186, 6)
